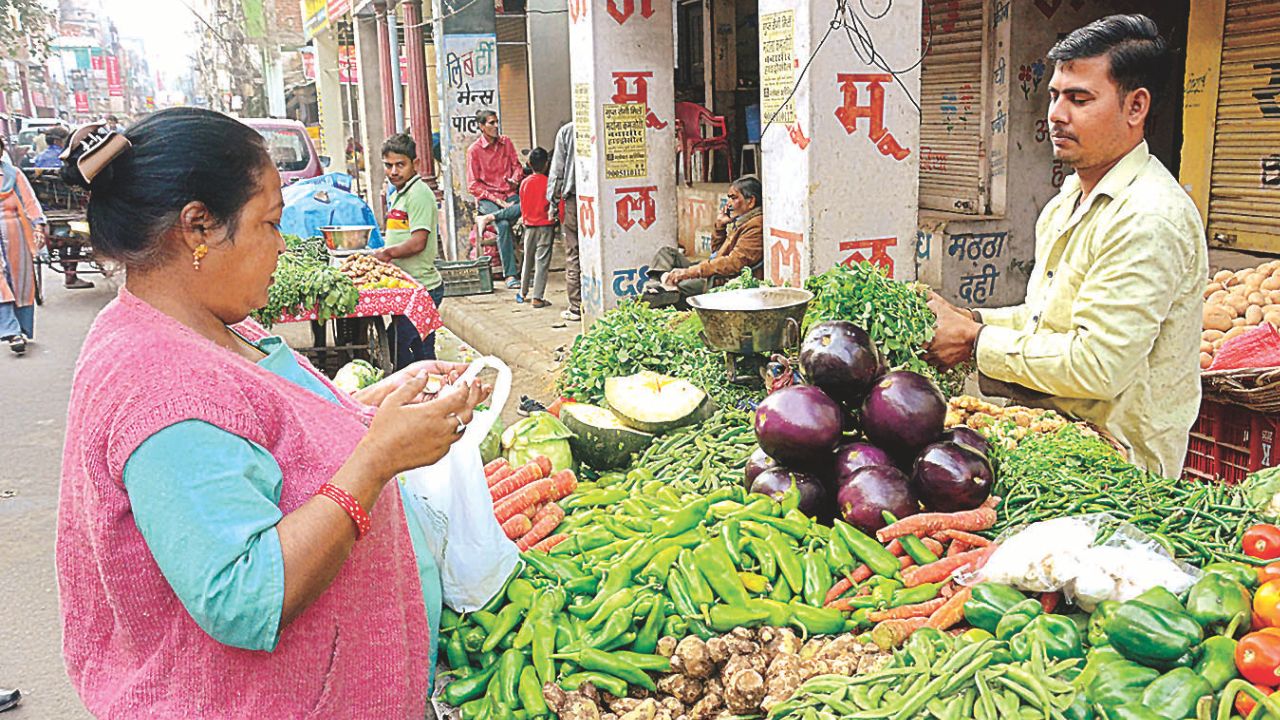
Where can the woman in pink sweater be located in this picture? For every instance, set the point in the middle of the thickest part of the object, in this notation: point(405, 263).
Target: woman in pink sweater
point(181, 406)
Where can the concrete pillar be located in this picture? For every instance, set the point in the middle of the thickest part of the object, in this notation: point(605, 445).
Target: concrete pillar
point(840, 161)
point(624, 118)
point(387, 95)
point(467, 65)
point(273, 78)
point(419, 97)
point(373, 128)
point(333, 139)
point(551, 92)
point(397, 83)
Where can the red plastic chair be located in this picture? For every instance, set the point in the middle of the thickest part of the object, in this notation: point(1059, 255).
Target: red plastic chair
point(692, 121)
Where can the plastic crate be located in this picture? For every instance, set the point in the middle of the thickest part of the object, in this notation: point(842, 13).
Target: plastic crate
point(466, 277)
point(1228, 442)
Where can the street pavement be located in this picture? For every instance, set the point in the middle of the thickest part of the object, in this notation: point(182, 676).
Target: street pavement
point(33, 393)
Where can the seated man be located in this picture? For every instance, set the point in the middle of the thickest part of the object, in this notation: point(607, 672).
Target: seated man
point(738, 243)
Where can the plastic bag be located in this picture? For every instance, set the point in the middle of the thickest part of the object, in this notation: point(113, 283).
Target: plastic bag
point(1067, 554)
point(452, 499)
point(1257, 348)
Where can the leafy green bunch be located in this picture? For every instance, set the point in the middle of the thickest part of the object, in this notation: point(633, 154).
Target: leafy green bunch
point(303, 280)
point(895, 314)
point(634, 337)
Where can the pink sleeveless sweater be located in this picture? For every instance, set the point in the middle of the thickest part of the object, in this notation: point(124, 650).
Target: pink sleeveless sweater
point(131, 648)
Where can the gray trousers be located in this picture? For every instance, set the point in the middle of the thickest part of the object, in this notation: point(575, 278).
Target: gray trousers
point(572, 263)
point(668, 259)
point(537, 260)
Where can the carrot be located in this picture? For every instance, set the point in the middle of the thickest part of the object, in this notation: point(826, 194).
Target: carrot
point(940, 570)
point(515, 481)
point(494, 466)
point(517, 525)
point(892, 633)
point(553, 488)
point(845, 584)
point(547, 510)
point(951, 612)
point(895, 548)
point(499, 475)
point(902, 612)
point(545, 464)
point(549, 520)
point(554, 540)
point(967, 538)
point(934, 546)
point(923, 524)
point(956, 548)
point(1050, 600)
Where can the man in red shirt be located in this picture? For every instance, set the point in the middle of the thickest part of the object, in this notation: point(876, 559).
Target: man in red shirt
point(493, 178)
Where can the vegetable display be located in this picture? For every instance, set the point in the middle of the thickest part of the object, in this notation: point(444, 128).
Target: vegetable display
point(1237, 301)
point(370, 273)
point(301, 283)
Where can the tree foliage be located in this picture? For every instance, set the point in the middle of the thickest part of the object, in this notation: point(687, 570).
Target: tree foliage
point(24, 23)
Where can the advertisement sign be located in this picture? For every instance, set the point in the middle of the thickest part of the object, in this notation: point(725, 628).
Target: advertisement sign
point(348, 67)
point(315, 17)
point(115, 86)
point(82, 101)
point(338, 8)
point(308, 56)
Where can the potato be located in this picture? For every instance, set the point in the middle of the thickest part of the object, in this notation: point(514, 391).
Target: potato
point(1217, 317)
point(1205, 360)
point(1212, 288)
point(1236, 303)
point(1257, 297)
point(1222, 276)
point(1271, 283)
point(1206, 346)
point(1238, 322)
point(1217, 297)
point(1235, 332)
point(1211, 335)
point(1272, 317)
point(1253, 315)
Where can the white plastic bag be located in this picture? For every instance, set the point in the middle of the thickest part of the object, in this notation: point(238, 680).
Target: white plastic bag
point(452, 499)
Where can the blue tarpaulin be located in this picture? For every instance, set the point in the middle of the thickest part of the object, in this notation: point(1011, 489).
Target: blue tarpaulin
point(325, 200)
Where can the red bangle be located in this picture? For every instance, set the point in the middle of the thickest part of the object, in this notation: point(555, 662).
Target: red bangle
point(350, 505)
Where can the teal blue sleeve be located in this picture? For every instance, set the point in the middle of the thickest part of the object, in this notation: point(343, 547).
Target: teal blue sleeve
point(206, 503)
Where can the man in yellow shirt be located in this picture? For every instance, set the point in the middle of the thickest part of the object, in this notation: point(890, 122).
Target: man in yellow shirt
point(1110, 329)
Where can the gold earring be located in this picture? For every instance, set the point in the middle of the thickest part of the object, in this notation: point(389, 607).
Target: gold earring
point(198, 254)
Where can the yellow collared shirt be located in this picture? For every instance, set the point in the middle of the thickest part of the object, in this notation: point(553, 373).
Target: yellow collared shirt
point(1110, 330)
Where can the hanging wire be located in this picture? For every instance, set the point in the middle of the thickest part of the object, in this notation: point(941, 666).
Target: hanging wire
point(862, 42)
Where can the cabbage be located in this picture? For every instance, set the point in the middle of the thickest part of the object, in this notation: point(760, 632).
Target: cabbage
point(491, 445)
point(539, 434)
point(356, 375)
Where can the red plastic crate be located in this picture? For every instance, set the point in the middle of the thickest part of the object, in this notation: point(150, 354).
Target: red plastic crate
point(1229, 441)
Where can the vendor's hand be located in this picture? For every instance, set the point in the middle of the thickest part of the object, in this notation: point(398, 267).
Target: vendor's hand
point(405, 434)
point(382, 255)
point(955, 334)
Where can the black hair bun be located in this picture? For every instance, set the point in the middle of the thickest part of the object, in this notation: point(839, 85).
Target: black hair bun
point(97, 140)
point(71, 174)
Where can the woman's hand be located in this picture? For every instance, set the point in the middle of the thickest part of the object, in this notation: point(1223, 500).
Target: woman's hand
point(377, 392)
point(406, 434)
point(40, 237)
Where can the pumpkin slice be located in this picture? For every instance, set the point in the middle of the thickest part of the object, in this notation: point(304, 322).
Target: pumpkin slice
point(656, 403)
point(600, 439)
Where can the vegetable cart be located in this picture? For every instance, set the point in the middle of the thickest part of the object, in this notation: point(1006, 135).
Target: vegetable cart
point(364, 333)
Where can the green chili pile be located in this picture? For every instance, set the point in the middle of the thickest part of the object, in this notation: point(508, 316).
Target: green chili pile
point(1071, 473)
point(707, 456)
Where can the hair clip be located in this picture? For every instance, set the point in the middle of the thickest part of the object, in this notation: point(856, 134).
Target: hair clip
point(98, 147)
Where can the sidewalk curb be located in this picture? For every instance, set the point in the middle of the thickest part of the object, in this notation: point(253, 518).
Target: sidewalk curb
point(490, 335)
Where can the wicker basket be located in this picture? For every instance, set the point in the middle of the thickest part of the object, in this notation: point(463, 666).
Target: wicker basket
point(1254, 388)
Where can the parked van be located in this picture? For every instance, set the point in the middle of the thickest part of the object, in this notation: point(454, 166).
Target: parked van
point(291, 148)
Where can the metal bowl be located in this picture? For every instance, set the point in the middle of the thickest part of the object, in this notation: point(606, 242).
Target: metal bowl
point(346, 237)
point(752, 321)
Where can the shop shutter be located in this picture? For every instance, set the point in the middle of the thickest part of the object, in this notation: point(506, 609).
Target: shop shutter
point(513, 81)
point(952, 137)
point(1244, 192)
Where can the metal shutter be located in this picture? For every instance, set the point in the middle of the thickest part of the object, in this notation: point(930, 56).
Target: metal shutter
point(1244, 190)
point(513, 82)
point(952, 141)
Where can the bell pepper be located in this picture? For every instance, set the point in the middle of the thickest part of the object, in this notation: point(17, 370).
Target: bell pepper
point(1217, 663)
point(1151, 635)
point(1239, 572)
point(1134, 711)
point(1097, 659)
point(1262, 542)
point(1174, 694)
point(988, 602)
point(1215, 600)
point(1266, 573)
point(1258, 658)
point(976, 634)
point(1058, 634)
point(1119, 682)
point(1098, 635)
point(1017, 617)
point(1161, 598)
point(1079, 709)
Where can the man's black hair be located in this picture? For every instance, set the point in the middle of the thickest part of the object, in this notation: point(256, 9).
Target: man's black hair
point(482, 116)
point(749, 187)
point(538, 160)
point(401, 144)
point(1132, 44)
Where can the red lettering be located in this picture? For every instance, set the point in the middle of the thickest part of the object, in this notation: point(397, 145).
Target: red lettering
point(879, 252)
point(636, 200)
point(784, 253)
point(628, 7)
point(587, 215)
point(633, 87)
point(851, 112)
point(577, 10)
point(797, 135)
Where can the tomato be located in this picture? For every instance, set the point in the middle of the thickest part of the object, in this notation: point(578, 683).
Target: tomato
point(1267, 573)
point(1266, 603)
point(1245, 704)
point(1258, 658)
point(1262, 542)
